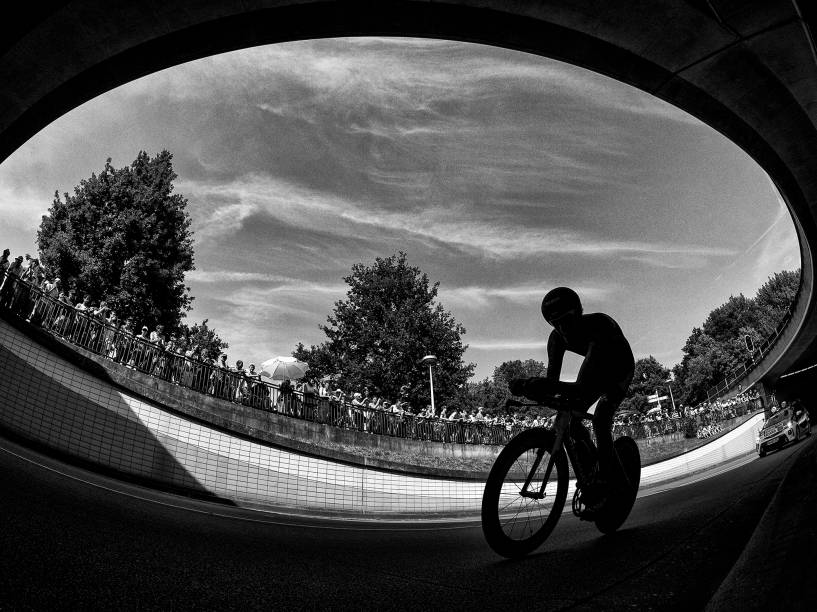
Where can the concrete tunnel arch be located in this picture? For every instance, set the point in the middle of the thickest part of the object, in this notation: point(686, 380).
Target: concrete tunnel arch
point(749, 72)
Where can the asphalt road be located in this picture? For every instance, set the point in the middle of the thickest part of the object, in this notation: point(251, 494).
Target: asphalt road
point(75, 540)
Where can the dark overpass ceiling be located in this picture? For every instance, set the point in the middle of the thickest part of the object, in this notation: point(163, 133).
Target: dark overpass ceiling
point(745, 67)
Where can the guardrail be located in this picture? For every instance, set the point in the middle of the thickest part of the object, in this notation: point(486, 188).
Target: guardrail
point(93, 334)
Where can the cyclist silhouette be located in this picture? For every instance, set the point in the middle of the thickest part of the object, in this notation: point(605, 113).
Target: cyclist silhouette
point(605, 375)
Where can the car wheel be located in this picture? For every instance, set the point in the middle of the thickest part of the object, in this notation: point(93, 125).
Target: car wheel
point(762, 452)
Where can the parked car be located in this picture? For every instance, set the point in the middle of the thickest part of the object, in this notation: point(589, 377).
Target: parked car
point(781, 428)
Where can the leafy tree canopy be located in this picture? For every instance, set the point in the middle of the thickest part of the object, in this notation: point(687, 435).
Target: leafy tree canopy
point(774, 299)
point(712, 351)
point(490, 393)
point(124, 236)
point(388, 322)
point(650, 376)
point(203, 337)
point(725, 321)
point(508, 370)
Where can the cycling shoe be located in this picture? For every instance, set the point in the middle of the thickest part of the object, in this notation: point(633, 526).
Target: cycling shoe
point(594, 496)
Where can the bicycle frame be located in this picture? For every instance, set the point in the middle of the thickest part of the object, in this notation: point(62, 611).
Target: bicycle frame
point(561, 427)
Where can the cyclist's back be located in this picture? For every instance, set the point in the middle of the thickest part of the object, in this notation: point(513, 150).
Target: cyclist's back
point(609, 362)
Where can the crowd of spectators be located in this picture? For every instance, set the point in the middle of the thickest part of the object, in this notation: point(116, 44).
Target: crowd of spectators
point(42, 299)
point(703, 420)
point(373, 413)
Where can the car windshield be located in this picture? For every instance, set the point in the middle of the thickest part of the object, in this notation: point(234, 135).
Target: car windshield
point(778, 418)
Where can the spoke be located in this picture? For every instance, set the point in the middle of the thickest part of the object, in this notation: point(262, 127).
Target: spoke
point(512, 522)
point(521, 516)
point(514, 499)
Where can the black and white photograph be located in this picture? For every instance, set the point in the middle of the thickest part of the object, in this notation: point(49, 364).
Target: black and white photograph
point(408, 305)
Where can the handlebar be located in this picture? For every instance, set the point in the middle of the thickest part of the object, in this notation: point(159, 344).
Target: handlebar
point(553, 401)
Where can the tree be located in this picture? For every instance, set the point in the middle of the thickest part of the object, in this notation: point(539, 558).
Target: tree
point(318, 357)
point(491, 393)
point(508, 370)
point(482, 393)
point(705, 363)
point(724, 322)
point(202, 336)
point(636, 402)
point(124, 236)
point(719, 346)
point(387, 323)
point(649, 376)
point(774, 298)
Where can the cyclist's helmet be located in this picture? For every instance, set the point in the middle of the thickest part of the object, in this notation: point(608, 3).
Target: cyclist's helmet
point(558, 302)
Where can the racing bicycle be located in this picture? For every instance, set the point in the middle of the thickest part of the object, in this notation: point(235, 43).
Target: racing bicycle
point(528, 483)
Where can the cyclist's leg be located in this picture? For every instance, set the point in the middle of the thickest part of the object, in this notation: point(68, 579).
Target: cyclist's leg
point(603, 428)
point(579, 432)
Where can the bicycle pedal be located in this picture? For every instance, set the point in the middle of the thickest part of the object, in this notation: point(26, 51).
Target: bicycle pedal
point(588, 515)
point(580, 510)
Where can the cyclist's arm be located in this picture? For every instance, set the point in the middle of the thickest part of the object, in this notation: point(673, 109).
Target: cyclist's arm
point(588, 379)
point(536, 387)
point(589, 364)
point(556, 354)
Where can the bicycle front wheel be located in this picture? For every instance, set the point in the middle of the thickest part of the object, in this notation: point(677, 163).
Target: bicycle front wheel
point(516, 522)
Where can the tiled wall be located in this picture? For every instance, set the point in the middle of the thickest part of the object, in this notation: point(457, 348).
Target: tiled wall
point(46, 399)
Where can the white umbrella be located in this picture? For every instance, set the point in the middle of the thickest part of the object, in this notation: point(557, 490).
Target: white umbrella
point(653, 410)
point(279, 368)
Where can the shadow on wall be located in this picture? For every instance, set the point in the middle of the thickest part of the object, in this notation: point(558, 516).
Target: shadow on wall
point(37, 409)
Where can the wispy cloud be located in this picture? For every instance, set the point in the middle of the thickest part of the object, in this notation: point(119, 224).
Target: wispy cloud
point(525, 294)
point(256, 295)
point(507, 345)
point(487, 234)
point(392, 73)
point(226, 276)
point(776, 247)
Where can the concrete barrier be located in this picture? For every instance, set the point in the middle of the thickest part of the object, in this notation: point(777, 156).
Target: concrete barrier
point(778, 567)
point(736, 443)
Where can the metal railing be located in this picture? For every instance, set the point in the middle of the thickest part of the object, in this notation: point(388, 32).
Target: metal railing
point(94, 334)
point(692, 426)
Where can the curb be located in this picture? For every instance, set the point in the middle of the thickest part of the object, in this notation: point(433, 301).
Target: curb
point(776, 570)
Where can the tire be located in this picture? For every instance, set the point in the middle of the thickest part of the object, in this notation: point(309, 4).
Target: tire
point(762, 452)
point(513, 525)
point(621, 502)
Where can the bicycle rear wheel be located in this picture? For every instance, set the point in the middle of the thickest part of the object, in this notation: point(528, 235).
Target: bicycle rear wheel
point(621, 501)
point(513, 524)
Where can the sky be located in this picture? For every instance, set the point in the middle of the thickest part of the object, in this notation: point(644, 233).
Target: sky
point(501, 175)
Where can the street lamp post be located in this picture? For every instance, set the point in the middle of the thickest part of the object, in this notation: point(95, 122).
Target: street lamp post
point(430, 360)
